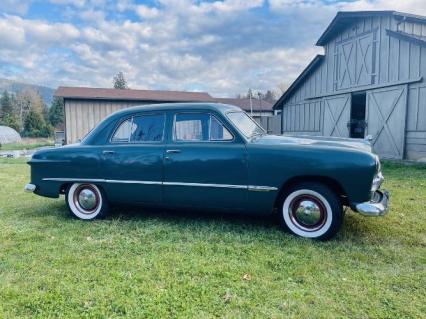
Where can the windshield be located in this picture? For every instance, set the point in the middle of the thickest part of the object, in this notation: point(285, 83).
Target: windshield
point(245, 124)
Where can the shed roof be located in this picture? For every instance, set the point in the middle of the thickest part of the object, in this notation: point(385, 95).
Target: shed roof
point(156, 96)
point(135, 95)
point(345, 18)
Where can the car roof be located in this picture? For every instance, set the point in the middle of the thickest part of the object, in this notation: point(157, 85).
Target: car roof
point(219, 107)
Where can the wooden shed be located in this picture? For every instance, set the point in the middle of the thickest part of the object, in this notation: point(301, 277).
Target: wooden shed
point(370, 81)
point(85, 107)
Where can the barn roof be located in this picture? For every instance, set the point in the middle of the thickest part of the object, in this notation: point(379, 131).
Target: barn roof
point(342, 20)
point(135, 95)
point(311, 67)
point(345, 18)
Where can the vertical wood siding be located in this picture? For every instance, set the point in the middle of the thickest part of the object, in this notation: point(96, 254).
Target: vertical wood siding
point(389, 59)
point(82, 116)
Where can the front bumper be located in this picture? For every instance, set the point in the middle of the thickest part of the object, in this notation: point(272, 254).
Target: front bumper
point(29, 188)
point(378, 205)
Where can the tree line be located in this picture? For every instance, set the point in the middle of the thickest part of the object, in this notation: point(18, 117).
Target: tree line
point(27, 113)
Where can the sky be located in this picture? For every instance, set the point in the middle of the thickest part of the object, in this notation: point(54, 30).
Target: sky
point(222, 47)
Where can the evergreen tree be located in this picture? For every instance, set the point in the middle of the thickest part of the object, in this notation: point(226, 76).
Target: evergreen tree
point(56, 112)
point(11, 121)
point(7, 111)
point(6, 104)
point(119, 81)
point(35, 125)
point(250, 94)
point(269, 96)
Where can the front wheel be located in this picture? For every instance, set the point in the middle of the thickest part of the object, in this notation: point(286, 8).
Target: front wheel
point(86, 201)
point(311, 210)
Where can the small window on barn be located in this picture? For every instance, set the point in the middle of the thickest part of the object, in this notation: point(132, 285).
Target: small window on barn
point(148, 128)
point(122, 133)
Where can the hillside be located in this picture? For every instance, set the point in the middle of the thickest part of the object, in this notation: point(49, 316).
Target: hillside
point(14, 87)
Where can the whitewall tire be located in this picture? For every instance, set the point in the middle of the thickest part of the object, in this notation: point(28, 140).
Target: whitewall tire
point(311, 210)
point(86, 201)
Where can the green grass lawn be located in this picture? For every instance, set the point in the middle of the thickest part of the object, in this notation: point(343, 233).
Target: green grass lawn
point(28, 144)
point(139, 263)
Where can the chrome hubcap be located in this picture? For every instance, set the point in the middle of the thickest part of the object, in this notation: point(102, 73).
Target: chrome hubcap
point(308, 213)
point(86, 199)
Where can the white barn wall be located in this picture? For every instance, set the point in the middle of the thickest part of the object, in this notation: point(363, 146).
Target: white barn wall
point(397, 61)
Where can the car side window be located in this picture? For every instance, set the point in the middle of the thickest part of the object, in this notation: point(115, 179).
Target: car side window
point(147, 128)
point(218, 132)
point(122, 133)
point(140, 129)
point(197, 127)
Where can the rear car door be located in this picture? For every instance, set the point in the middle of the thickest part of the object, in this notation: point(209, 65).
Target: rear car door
point(205, 163)
point(132, 161)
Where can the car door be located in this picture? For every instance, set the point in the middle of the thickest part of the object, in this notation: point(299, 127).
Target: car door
point(205, 163)
point(132, 162)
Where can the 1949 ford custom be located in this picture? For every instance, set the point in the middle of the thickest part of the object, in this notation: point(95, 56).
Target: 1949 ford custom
point(211, 156)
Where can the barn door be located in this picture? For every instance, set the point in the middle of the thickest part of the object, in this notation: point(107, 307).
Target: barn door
point(386, 110)
point(337, 111)
point(355, 61)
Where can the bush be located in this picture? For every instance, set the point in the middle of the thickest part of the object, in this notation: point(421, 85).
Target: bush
point(11, 121)
point(36, 126)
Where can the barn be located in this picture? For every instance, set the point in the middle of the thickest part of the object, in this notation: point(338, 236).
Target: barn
point(369, 81)
point(85, 107)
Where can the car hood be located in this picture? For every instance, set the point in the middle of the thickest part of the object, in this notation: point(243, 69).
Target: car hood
point(320, 141)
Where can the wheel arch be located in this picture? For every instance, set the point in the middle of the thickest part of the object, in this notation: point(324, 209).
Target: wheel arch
point(329, 182)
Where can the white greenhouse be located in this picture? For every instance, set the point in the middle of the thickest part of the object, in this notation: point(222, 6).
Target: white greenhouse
point(9, 135)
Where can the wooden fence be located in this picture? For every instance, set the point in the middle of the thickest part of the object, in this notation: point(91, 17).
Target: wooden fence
point(272, 124)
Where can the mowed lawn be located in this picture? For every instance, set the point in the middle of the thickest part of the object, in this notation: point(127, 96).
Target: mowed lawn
point(155, 264)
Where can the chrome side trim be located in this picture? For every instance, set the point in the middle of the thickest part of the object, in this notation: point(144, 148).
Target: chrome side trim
point(255, 188)
point(205, 185)
point(132, 182)
point(60, 179)
point(249, 187)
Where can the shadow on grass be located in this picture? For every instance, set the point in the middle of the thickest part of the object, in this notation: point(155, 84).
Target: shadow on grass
point(192, 216)
point(354, 229)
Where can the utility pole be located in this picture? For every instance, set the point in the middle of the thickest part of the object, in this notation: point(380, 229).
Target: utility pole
point(260, 102)
point(251, 104)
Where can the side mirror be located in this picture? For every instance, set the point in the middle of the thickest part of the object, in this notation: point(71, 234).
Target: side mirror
point(368, 139)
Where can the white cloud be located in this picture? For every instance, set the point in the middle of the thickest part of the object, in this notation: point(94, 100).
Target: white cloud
point(146, 12)
point(15, 6)
point(224, 47)
point(409, 6)
point(75, 3)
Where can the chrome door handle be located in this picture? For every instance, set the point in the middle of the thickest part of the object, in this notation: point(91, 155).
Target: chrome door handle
point(108, 152)
point(172, 151)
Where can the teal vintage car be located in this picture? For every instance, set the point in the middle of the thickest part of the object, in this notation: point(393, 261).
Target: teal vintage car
point(211, 157)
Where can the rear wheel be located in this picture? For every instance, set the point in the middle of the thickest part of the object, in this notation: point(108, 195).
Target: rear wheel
point(86, 201)
point(311, 210)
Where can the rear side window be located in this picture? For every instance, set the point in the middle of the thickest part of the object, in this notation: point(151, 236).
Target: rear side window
point(122, 133)
point(140, 129)
point(199, 127)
